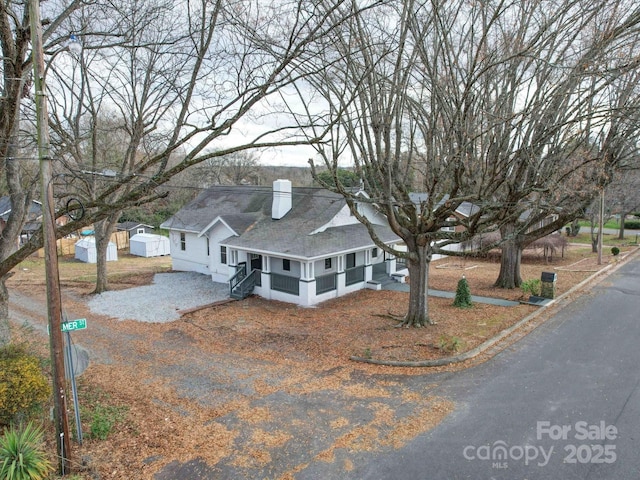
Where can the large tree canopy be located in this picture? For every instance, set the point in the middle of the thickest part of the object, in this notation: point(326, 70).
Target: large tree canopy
point(480, 102)
point(180, 79)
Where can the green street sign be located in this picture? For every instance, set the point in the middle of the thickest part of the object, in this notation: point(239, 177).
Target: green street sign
point(79, 324)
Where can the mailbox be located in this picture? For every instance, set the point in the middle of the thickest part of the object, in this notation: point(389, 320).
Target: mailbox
point(548, 287)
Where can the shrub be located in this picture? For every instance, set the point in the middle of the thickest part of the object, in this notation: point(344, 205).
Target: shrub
point(449, 343)
point(463, 294)
point(23, 386)
point(532, 287)
point(22, 456)
point(615, 251)
point(632, 224)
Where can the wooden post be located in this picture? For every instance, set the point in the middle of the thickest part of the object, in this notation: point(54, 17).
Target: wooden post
point(54, 300)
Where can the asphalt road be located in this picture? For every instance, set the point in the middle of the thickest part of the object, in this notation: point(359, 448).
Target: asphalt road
point(562, 404)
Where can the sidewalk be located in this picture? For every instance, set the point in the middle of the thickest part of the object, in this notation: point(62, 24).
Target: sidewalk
point(389, 284)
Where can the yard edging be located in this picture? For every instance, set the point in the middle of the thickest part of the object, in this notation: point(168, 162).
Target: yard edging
point(468, 355)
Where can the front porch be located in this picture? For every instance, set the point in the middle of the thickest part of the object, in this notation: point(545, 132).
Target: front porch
point(307, 283)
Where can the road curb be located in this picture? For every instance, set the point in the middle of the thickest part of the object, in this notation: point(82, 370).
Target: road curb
point(474, 352)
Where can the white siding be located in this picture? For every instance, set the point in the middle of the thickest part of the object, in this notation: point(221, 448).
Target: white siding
point(193, 258)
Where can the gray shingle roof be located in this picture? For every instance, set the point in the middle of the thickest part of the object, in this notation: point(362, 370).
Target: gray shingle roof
point(247, 210)
point(35, 208)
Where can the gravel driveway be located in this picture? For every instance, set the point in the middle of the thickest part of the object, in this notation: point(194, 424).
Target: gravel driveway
point(160, 301)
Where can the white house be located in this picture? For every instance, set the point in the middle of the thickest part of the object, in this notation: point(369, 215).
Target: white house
point(300, 245)
point(85, 250)
point(149, 245)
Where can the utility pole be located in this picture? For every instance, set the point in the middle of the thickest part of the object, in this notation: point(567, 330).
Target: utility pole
point(54, 298)
point(600, 225)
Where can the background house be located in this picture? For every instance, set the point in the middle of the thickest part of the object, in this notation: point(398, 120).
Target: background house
point(297, 244)
point(134, 228)
point(33, 221)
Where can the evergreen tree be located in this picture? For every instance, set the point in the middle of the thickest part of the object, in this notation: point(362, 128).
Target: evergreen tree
point(463, 294)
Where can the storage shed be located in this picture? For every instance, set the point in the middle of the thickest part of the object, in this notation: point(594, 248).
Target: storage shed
point(86, 250)
point(149, 245)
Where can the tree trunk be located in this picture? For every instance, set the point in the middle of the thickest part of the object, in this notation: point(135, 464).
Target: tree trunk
point(20, 198)
point(5, 330)
point(623, 215)
point(594, 235)
point(103, 230)
point(510, 259)
point(418, 314)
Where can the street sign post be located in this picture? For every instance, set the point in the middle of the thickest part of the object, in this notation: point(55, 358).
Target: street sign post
point(71, 351)
point(79, 324)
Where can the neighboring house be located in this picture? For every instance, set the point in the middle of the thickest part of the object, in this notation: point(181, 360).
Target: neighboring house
point(300, 245)
point(462, 212)
point(134, 228)
point(33, 221)
point(524, 217)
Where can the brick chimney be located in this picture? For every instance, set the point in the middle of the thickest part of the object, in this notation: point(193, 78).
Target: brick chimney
point(281, 199)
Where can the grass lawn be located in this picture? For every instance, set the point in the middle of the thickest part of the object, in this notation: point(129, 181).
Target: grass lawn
point(608, 239)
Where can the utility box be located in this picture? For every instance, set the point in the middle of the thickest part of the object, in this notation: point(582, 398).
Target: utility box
point(548, 287)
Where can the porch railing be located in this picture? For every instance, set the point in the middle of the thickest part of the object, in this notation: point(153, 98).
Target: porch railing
point(244, 287)
point(285, 283)
point(325, 283)
point(241, 273)
point(354, 275)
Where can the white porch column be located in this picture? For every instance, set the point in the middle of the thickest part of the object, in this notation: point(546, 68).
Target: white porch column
point(368, 267)
point(307, 284)
point(266, 276)
point(391, 265)
point(341, 277)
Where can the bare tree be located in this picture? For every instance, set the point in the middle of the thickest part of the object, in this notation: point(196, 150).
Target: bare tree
point(477, 100)
point(213, 66)
point(624, 194)
point(241, 167)
point(18, 166)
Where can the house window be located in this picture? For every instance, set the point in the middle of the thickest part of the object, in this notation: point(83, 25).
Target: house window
point(374, 252)
point(286, 264)
point(140, 230)
point(327, 264)
point(183, 242)
point(223, 255)
point(208, 252)
point(351, 260)
point(450, 228)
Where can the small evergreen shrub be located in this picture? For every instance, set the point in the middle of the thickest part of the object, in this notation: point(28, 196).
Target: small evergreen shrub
point(463, 294)
point(23, 386)
point(615, 251)
point(531, 287)
point(22, 456)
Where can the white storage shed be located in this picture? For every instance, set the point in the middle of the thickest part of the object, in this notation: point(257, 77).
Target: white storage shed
point(149, 245)
point(86, 250)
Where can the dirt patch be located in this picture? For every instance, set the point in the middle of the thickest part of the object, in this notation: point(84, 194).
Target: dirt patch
point(263, 389)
